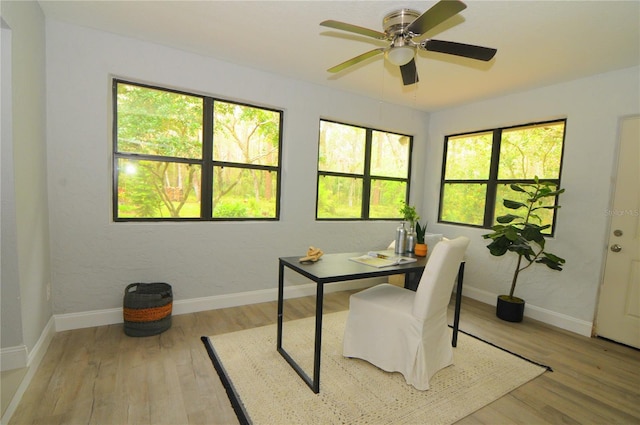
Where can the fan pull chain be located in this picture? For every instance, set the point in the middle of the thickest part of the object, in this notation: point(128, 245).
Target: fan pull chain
point(381, 102)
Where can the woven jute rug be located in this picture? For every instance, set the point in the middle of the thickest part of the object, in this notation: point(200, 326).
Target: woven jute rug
point(264, 389)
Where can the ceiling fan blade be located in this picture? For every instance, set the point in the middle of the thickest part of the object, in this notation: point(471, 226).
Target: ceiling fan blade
point(355, 60)
point(434, 16)
point(409, 73)
point(354, 28)
point(459, 49)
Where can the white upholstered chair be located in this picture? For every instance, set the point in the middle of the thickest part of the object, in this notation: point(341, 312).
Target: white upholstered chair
point(399, 330)
point(431, 239)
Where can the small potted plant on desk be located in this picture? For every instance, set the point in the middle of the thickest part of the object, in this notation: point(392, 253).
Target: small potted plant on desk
point(518, 234)
point(410, 215)
point(421, 247)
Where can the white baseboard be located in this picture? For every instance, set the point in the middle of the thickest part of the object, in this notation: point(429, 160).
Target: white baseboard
point(559, 320)
point(33, 360)
point(13, 357)
point(88, 319)
point(64, 322)
point(37, 353)
point(19, 356)
point(549, 317)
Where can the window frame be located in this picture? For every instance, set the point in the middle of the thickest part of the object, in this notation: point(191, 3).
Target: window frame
point(366, 176)
point(206, 162)
point(492, 182)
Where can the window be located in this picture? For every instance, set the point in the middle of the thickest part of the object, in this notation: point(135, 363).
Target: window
point(191, 157)
point(362, 173)
point(478, 168)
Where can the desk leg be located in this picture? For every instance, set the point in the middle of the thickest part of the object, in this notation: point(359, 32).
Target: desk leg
point(318, 342)
point(280, 303)
point(412, 280)
point(314, 383)
point(456, 316)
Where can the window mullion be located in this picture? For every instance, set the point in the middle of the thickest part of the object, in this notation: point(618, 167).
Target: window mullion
point(206, 195)
point(366, 189)
point(492, 183)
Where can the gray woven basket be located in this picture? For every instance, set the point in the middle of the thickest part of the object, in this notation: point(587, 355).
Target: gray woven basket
point(147, 308)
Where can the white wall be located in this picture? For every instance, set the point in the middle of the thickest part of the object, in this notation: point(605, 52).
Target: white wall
point(94, 258)
point(29, 227)
point(11, 335)
point(592, 107)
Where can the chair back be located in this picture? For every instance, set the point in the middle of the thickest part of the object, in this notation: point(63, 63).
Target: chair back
point(438, 278)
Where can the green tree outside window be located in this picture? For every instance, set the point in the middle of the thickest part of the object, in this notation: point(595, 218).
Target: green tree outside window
point(362, 173)
point(185, 156)
point(479, 168)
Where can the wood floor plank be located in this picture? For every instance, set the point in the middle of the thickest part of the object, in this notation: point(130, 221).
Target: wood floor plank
point(101, 376)
point(514, 410)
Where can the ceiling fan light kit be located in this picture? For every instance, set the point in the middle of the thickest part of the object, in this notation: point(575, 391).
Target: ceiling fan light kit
point(400, 27)
point(400, 55)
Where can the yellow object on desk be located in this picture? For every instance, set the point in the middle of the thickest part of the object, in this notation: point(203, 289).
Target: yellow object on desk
point(313, 254)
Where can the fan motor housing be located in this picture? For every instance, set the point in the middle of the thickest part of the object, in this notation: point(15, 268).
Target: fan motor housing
point(395, 22)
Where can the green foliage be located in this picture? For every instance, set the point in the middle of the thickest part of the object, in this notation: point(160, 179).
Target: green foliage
point(531, 151)
point(465, 150)
point(159, 122)
point(409, 214)
point(339, 197)
point(232, 209)
point(524, 152)
point(165, 126)
point(244, 134)
point(420, 232)
point(464, 203)
point(518, 234)
point(385, 197)
point(341, 166)
point(341, 148)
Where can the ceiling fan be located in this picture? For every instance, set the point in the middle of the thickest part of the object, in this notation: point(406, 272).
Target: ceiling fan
point(400, 28)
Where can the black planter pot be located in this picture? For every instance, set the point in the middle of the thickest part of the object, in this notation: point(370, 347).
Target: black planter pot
point(510, 309)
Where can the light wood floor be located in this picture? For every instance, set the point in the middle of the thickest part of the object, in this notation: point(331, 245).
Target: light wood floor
point(100, 376)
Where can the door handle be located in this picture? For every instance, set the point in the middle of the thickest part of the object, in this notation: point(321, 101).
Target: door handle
point(616, 248)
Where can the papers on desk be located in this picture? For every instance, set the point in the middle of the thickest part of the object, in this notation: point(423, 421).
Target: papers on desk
point(382, 259)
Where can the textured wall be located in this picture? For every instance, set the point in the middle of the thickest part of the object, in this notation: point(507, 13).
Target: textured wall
point(592, 107)
point(30, 269)
point(94, 258)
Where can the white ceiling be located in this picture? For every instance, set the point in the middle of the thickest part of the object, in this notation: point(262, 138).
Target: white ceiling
point(539, 42)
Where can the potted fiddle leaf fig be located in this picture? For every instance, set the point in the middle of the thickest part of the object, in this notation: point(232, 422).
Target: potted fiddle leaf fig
point(518, 233)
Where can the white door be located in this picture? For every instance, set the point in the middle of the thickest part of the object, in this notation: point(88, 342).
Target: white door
point(618, 315)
